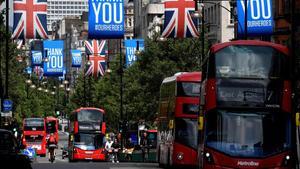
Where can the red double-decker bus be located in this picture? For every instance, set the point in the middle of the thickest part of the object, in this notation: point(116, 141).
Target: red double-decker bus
point(52, 127)
point(246, 99)
point(34, 134)
point(177, 120)
point(86, 134)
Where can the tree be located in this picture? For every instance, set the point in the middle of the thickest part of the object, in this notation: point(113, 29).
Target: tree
point(142, 80)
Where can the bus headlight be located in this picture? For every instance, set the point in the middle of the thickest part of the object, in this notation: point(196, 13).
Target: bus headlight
point(208, 157)
point(286, 161)
point(180, 156)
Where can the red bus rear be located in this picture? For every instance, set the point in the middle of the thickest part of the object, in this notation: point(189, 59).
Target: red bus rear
point(52, 127)
point(86, 134)
point(34, 134)
point(178, 128)
point(246, 99)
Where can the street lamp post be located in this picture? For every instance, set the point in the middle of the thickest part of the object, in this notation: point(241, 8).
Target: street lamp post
point(202, 32)
point(7, 50)
point(246, 20)
point(121, 92)
point(87, 63)
point(28, 82)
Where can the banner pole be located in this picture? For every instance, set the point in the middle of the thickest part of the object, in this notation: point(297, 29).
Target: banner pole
point(246, 18)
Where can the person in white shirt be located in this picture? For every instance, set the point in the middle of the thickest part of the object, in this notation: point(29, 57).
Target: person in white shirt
point(108, 144)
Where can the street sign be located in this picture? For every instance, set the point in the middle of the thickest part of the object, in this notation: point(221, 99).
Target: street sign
point(6, 114)
point(7, 105)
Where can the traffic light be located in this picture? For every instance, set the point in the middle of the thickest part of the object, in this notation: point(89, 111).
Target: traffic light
point(57, 113)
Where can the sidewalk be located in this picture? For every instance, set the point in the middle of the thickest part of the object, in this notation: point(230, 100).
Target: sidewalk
point(137, 156)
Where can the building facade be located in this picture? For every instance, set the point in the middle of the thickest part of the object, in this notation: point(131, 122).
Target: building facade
point(129, 20)
point(282, 25)
point(148, 15)
point(58, 9)
point(287, 27)
point(219, 20)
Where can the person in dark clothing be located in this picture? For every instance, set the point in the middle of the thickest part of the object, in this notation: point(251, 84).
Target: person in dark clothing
point(116, 148)
point(129, 149)
point(144, 144)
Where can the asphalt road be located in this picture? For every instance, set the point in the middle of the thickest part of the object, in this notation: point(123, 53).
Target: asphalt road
point(59, 163)
point(94, 165)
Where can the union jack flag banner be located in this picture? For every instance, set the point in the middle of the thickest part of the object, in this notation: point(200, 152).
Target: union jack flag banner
point(19, 43)
point(39, 71)
point(178, 20)
point(30, 19)
point(96, 50)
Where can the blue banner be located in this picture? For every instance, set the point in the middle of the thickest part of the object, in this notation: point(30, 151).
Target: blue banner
point(260, 18)
point(76, 58)
point(106, 19)
point(36, 58)
point(61, 78)
point(54, 50)
point(131, 47)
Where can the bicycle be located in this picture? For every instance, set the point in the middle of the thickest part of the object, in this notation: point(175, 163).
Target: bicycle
point(52, 152)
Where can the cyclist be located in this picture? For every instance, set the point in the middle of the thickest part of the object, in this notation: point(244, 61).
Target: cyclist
point(52, 144)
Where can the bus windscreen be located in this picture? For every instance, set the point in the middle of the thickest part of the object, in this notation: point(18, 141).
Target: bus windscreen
point(90, 116)
point(250, 62)
point(256, 134)
point(88, 141)
point(188, 89)
point(34, 124)
point(51, 127)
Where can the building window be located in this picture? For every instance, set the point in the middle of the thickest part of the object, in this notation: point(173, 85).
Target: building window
point(129, 22)
point(232, 14)
point(286, 6)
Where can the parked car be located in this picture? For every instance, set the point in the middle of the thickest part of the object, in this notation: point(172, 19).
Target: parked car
point(10, 152)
